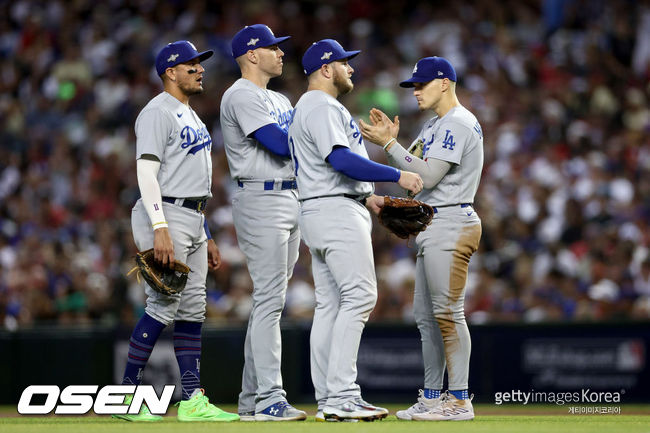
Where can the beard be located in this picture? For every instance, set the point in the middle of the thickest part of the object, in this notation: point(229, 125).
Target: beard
point(342, 84)
point(189, 89)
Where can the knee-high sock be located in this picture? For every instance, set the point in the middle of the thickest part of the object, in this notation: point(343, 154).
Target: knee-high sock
point(187, 346)
point(141, 344)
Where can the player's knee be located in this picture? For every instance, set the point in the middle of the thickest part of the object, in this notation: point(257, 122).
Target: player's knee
point(446, 317)
point(368, 301)
point(271, 304)
point(424, 322)
point(164, 317)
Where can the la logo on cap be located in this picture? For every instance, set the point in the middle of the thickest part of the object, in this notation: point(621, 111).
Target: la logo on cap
point(253, 41)
point(415, 69)
point(326, 56)
point(173, 57)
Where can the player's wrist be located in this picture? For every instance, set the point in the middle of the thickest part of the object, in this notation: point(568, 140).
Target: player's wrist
point(390, 143)
point(160, 225)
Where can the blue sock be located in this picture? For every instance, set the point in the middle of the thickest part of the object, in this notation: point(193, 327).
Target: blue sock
point(187, 346)
point(460, 395)
point(141, 344)
point(431, 393)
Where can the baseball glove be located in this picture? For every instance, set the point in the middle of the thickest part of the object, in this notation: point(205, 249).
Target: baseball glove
point(417, 149)
point(405, 216)
point(163, 279)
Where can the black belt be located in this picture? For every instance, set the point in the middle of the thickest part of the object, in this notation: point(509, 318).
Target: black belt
point(197, 205)
point(360, 198)
point(269, 185)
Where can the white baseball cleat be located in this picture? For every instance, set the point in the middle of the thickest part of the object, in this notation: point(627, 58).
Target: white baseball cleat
point(321, 418)
point(451, 409)
point(423, 405)
point(354, 409)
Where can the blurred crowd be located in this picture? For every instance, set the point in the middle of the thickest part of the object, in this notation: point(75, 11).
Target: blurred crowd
point(561, 88)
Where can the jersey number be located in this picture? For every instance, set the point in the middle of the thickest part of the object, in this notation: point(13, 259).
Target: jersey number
point(448, 142)
point(293, 156)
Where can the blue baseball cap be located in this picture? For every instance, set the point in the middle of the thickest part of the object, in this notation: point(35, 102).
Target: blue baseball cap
point(428, 69)
point(255, 36)
point(324, 52)
point(178, 52)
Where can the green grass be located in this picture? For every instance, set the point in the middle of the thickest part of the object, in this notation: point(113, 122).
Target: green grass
point(489, 419)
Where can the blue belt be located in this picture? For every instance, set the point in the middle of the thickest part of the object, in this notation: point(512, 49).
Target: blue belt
point(435, 208)
point(270, 184)
point(197, 205)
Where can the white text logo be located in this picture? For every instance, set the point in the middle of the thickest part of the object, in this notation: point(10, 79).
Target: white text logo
point(78, 399)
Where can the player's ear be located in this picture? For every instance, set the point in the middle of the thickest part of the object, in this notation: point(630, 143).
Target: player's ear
point(170, 73)
point(326, 70)
point(251, 55)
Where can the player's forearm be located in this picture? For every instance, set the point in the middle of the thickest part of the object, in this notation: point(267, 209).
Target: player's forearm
point(431, 171)
point(357, 167)
point(273, 138)
point(147, 171)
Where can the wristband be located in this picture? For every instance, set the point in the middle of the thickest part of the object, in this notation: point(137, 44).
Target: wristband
point(160, 224)
point(389, 142)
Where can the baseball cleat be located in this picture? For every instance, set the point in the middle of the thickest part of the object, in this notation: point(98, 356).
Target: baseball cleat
point(143, 416)
point(247, 416)
point(451, 409)
point(281, 411)
point(423, 405)
point(321, 418)
point(354, 409)
point(199, 408)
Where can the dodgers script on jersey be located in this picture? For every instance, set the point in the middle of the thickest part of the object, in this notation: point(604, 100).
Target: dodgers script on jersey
point(319, 123)
point(173, 132)
point(245, 108)
point(457, 138)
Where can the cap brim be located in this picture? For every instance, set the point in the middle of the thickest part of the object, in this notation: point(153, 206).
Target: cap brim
point(414, 79)
point(275, 41)
point(408, 83)
point(349, 54)
point(205, 55)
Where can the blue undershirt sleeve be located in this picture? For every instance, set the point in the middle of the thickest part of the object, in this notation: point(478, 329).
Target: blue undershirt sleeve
point(206, 228)
point(359, 168)
point(273, 138)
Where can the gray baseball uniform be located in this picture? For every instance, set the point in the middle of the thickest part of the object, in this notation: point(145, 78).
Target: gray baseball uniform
point(445, 247)
point(173, 132)
point(337, 230)
point(265, 213)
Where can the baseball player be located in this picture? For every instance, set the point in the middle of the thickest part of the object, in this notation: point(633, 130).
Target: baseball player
point(335, 188)
point(448, 154)
point(254, 122)
point(175, 176)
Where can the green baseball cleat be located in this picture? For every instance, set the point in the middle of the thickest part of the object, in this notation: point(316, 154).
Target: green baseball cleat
point(198, 408)
point(143, 416)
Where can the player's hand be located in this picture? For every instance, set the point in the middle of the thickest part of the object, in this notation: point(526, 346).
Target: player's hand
point(374, 203)
point(163, 246)
point(214, 256)
point(381, 129)
point(410, 181)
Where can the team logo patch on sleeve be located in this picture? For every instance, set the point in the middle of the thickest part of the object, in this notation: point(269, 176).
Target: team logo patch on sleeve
point(448, 142)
